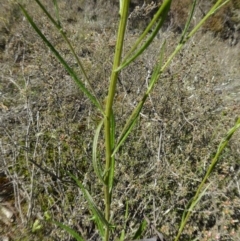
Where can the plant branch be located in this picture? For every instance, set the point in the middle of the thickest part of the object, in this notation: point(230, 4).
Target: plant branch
point(108, 124)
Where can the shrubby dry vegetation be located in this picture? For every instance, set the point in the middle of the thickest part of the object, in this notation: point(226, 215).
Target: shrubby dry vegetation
point(47, 124)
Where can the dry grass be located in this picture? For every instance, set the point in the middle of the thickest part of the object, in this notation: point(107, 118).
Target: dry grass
point(45, 119)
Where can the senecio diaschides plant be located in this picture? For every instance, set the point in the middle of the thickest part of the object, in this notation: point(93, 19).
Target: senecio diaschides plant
point(112, 143)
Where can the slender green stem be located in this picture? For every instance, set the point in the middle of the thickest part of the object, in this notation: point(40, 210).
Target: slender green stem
point(108, 110)
point(184, 40)
point(158, 19)
point(195, 199)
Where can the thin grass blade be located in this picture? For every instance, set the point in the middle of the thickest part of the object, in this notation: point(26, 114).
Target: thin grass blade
point(199, 194)
point(149, 27)
point(187, 25)
point(69, 230)
point(59, 27)
point(215, 7)
point(61, 60)
point(196, 201)
point(133, 118)
point(112, 131)
point(163, 12)
point(195, 29)
point(193, 202)
point(98, 215)
point(56, 10)
point(220, 149)
point(96, 164)
point(164, 5)
point(157, 70)
point(122, 237)
point(129, 125)
point(141, 49)
point(56, 24)
point(140, 230)
point(112, 164)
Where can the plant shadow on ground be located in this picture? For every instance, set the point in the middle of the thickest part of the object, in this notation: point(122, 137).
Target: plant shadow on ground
point(46, 120)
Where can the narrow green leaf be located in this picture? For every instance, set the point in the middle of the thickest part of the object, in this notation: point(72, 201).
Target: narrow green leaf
point(187, 25)
point(124, 135)
point(59, 27)
point(96, 164)
point(99, 225)
point(164, 5)
point(221, 147)
point(215, 7)
point(133, 118)
point(192, 203)
point(56, 24)
point(98, 215)
point(57, 10)
point(129, 125)
point(112, 164)
point(140, 230)
point(122, 237)
point(69, 230)
point(163, 12)
point(199, 192)
point(195, 29)
point(195, 202)
point(126, 212)
point(157, 70)
point(61, 60)
point(113, 124)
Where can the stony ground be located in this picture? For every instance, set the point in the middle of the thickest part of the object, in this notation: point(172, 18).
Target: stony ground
point(47, 124)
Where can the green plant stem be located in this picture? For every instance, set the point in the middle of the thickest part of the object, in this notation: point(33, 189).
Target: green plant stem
point(184, 40)
point(181, 43)
point(196, 198)
point(158, 19)
point(108, 110)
